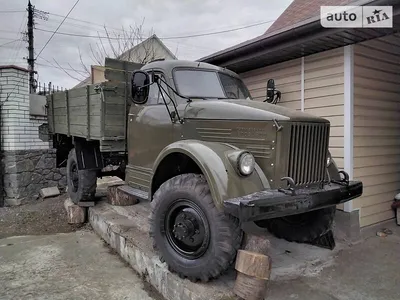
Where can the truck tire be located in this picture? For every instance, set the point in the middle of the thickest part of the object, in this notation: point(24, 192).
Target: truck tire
point(81, 183)
point(196, 240)
point(301, 228)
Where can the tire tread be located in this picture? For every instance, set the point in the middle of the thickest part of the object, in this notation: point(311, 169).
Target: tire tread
point(228, 227)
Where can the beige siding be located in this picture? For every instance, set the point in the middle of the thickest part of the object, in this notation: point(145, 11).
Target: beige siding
point(323, 90)
point(377, 126)
point(287, 76)
point(324, 95)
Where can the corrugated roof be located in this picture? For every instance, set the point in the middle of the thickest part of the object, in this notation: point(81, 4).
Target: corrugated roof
point(300, 10)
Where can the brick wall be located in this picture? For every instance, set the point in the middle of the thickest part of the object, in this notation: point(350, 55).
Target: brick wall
point(27, 163)
point(19, 130)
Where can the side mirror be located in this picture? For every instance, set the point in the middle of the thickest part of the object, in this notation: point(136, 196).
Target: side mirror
point(270, 90)
point(140, 86)
point(273, 95)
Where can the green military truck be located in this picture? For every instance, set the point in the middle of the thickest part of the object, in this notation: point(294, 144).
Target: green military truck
point(188, 137)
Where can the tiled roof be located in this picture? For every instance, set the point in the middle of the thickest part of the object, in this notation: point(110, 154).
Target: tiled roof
point(300, 10)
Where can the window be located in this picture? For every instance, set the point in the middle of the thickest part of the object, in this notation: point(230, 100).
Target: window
point(234, 87)
point(198, 83)
point(155, 93)
point(210, 84)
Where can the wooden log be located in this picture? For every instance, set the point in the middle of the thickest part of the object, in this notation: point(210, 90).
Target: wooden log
point(75, 213)
point(253, 267)
point(253, 264)
point(249, 288)
point(120, 196)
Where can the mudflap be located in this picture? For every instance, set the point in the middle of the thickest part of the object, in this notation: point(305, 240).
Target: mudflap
point(326, 241)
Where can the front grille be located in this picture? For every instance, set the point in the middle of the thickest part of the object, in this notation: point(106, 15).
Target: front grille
point(308, 152)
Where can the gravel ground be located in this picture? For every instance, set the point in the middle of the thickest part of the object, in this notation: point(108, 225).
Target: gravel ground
point(38, 217)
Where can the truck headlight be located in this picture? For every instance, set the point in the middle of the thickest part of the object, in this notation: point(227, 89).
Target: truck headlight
point(328, 159)
point(246, 163)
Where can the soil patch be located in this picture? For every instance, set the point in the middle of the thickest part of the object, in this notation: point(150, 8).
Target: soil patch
point(38, 217)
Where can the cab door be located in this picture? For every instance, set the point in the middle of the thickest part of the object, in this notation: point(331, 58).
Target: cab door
point(150, 130)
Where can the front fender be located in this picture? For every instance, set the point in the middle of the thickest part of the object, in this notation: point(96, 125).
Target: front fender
point(223, 180)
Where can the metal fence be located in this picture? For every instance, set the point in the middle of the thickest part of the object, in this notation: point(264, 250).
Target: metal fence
point(48, 88)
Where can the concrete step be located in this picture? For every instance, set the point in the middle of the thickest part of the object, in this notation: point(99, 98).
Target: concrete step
point(139, 194)
point(125, 229)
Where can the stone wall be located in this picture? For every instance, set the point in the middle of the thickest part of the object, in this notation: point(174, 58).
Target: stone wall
point(26, 172)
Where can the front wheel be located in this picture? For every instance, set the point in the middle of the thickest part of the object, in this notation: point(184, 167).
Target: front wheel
point(301, 228)
point(81, 183)
point(195, 239)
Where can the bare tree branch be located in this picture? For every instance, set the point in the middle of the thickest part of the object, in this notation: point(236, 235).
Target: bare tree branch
point(65, 71)
point(120, 45)
point(82, 64)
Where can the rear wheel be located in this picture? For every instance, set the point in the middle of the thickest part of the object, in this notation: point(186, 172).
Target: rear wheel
point(195, 239)
point(301, 228)
point(81, 183)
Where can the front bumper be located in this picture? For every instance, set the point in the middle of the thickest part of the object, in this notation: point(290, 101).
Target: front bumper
point(270, 204)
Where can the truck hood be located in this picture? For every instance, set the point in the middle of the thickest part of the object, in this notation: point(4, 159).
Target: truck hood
point(244, 110)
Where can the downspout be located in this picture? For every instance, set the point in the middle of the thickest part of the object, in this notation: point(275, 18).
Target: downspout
point(348, 116)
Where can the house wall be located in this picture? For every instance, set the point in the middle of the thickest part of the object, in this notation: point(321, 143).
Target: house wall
point(287, 76)
point(98, 74)
point(149, 50)
point(323, 90)
point(324, 95)
point(377, 126)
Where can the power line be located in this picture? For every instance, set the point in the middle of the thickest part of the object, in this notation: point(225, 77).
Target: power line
point(80, 73)
point(19, 46)
point(162, 38)
point(10, 11)
point(7, 39)
point(57, 28)
point(10, 42)
point(62, 68)
point(8, 31)
point(84, 21)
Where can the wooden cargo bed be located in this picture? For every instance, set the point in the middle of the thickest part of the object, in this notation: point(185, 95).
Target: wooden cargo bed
point(94, 112)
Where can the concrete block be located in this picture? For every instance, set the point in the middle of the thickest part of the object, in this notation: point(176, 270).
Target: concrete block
point(347, 226)
point(49, 192)
point(75, 214)
point(13, 201)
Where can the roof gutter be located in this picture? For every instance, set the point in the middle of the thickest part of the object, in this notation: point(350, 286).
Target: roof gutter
point(311, 25)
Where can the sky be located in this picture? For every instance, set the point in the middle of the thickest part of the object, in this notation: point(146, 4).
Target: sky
point(167, 18)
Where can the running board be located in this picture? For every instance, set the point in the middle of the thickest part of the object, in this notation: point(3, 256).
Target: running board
point(124, 195)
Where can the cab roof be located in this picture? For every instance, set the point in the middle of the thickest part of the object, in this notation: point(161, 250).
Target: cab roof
point(169, 65)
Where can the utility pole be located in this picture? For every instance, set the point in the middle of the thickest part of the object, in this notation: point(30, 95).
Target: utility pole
point(31, 57)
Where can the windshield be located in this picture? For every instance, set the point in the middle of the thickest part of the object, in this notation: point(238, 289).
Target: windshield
point(209, 84)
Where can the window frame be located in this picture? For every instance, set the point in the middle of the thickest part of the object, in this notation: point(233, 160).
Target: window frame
point(168, 100)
